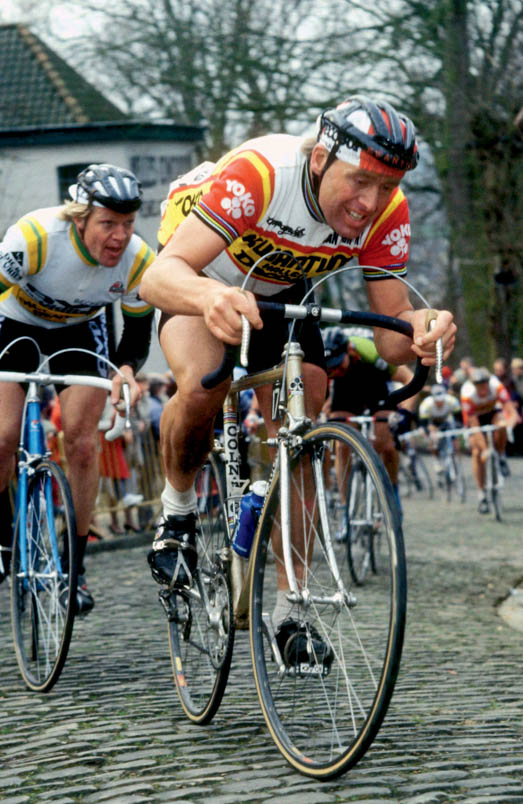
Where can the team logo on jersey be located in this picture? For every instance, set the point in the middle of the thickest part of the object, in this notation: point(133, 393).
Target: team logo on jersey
point(398, 240)
point(285, 229)
point(241, 202)
point(11, 263)
point(117, 287)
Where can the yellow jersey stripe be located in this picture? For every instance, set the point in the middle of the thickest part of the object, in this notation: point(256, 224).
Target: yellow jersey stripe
point(142, 261)
point(391, 206)
point(36, 238)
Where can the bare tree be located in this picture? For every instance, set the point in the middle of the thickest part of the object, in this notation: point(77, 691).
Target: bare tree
point(244, 68)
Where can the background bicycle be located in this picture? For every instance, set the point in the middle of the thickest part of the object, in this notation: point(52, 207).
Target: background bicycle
point(494, 477)
point(413, 475)
point(450, 469)
point(43, 563)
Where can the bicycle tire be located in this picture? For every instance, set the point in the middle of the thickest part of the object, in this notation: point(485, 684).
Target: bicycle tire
point(358, 525)
point(200, 619)
point(424, 479)
point(323, 719)
point(460, 482)
point(495, 493)
point(43, 598)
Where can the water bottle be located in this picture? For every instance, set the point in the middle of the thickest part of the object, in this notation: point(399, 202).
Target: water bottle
point(250, 508)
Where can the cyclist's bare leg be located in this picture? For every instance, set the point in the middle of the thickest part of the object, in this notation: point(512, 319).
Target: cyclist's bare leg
point(188, 418)
point(385, 448)
point(80, 410)
point(315, 382)
point(478, 447)
point(500, 436)
point(11, 404)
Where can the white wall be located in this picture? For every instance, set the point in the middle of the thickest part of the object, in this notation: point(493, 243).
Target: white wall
point(29, 179)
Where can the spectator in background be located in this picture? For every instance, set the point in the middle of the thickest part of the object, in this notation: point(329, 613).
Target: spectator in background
point(501, 370)
point(461, 374)
point(516, 368)
point(157, 399)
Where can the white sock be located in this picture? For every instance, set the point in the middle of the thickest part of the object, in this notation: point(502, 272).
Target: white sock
point(481, 494)
point(178, 502)
point(283, 609)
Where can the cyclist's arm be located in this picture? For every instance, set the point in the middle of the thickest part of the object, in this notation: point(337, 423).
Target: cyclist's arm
point(174, 284)
point(510, 414)
point(390, 297)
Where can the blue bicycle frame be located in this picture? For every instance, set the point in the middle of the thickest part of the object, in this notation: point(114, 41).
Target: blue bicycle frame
point(31, 450)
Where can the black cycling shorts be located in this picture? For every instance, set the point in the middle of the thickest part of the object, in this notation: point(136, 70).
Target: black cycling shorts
point(23, 355)
point(267, 344)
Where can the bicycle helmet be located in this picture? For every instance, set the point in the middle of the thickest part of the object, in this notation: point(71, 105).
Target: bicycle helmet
point(438, 390)
point(479, 375)
point(335, 341)
point(369, 134)
point(107, 186)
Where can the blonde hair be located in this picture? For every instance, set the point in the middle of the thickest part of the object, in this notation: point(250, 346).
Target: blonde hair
point(72, 209)
point(307, 145)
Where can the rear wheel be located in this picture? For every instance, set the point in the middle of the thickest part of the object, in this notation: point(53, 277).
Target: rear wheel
point(325, 692)
point(44, 577)
point(201, 628)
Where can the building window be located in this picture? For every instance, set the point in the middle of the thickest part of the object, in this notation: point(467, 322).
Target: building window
point(66, 176)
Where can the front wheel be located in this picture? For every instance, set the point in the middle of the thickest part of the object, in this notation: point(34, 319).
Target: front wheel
point(201, 626)
point(325, 679)
point(44, 576)
point(359, 523)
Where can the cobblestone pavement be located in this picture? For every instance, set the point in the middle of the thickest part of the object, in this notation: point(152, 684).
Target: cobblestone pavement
point(112, 730)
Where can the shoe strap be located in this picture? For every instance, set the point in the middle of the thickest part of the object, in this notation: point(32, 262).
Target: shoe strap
point(169, 544)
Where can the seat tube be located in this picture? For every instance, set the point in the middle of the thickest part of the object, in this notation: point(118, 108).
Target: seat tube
point(295, 387)
point(296, 409)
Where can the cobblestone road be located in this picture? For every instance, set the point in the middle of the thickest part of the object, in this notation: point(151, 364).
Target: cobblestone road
point(112, 730)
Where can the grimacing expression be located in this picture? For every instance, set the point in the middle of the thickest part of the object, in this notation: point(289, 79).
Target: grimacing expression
point(106, 234)
point(350, 198)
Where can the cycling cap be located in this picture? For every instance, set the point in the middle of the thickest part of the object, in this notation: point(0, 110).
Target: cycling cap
point(107, 186)
point(438, 390)
point(480, 374)
point(335, 341)
point(370, 135)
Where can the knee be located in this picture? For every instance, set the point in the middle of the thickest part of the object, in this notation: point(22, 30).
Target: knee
point(8, 445)
point(81, 449)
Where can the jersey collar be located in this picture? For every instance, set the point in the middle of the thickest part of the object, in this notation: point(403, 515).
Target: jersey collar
point(79, 246)
point(311, 202)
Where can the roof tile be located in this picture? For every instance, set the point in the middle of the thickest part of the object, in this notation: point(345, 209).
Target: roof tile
point(39, 88)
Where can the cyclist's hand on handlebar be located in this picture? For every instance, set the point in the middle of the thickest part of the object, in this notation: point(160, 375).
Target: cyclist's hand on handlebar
point(424, 340)
point(224, 309)
point(134, 388)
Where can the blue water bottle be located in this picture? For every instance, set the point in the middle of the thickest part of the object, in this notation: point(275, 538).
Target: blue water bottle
point(250, 508)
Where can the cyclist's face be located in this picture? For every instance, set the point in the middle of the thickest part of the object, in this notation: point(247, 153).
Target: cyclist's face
point(482, 388)
point(106, 234)
point(350, 198)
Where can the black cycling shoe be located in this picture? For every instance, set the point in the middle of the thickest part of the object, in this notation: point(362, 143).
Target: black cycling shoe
point(169, 565)
point(303, 649)
point(5, 563)
point(504, 467)
point(483, 506)
point(84, 599)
